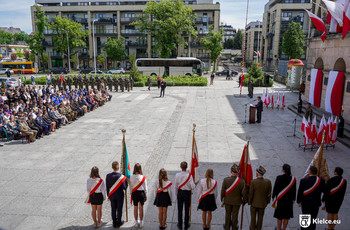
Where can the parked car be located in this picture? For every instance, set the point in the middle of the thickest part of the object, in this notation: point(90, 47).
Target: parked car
point(59, 70)
point(118, 70)
point(9, 82)
point(234, 72)
point(4, 71)
point(224, 72)
point(89, 70)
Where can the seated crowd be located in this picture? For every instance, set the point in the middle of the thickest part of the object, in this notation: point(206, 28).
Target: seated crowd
point(32, 112)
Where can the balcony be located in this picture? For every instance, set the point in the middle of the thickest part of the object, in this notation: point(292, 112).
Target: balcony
point(195, 44)
point(47, 44)
point(136, 44)
point(56, 55)
point(81, 20)
point(128, 20)
point(203, 56)
point(131, 32)
point(141, 55)
point(203, 32)
point(105, 32)
point(104, 20)
point(204, 20)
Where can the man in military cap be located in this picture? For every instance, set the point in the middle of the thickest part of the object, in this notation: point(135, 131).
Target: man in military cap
point(250, 88)
point(98, 83)
point(69, 110)
point(258, 198)
point(233, 194)
point(65, 84)
point(127, 84)
point(121, 83)
point(131, 82)
point(80, 80)
point(62, 110)
point(110, 83)
point(92, 82)
point(115, 82)
point(75, 81)
point(69, 83)
point(309, 112)
point(86, 82)
point(54, 82)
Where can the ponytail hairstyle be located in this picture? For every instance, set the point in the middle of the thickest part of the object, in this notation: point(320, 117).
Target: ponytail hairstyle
point(163, 175)
point(209, 174)
point(286, 168)
point(137, 169)
point(94, 173)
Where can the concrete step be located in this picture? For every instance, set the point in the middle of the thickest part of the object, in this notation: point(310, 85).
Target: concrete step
point(319, 113)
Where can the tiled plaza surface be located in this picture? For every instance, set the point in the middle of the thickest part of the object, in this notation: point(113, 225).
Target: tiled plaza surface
point(43, 184)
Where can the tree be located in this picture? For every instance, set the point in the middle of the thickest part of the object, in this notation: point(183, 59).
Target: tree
point(134, 72)
point(19, 52)
point(212, 42)
point(228, 43)
point(238, 40)
point(37, 38)
point(293, 41)
point(21, 37)
point(26, 54)
point(167, 21)
point(6, 38)
point(255, 71)
point(115, 48)
point(101, 59)
point(63, 27)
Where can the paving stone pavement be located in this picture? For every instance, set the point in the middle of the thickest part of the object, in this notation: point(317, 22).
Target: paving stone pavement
point(43, 184)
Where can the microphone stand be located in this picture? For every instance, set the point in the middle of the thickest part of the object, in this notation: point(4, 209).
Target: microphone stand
point(295, 126)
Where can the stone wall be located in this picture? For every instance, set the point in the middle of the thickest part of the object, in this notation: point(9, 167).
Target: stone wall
point(331, 52)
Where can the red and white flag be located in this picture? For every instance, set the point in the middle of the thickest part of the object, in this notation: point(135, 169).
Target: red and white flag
point(267, 99)
point(194, 161)
point(327, 126)
point(303, 124)
point(245, 167)
point(278, 100)
point(334, 133)
point(336, 9)
point(263, 96)
point(346, 18)
point(334, 92)
point(321, 128)
point(306, 128)
point(283, 102)
point(314, 131)
point(319, 24)
point(272, 101)
point(315, 87)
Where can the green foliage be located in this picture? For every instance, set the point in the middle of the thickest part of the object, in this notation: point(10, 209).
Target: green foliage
point(6, 38)
point(256, 81)
point(115, 48)
point(293, 41)
point(166, 21)
point(238, 40)
point(19, 52)
point(255, 71)
point(179, 80)
point(63, 27)
point(101, 59)
point(21, 37)
point(212, 42)
point(228, 43)
point(3, 86)
point(139, 84)
point(134, 72)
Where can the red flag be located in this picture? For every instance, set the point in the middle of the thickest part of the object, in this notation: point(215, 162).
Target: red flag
point(272, 101)
point(321, 128)
point(329, 17)
point(334, 128)
point(242, 79)
point(319, 24)
point(245, 166)
point(62, 79)
point(283, 103)
point(194, 161)
point(346, 18)
point(314, 131)
point(267, 98)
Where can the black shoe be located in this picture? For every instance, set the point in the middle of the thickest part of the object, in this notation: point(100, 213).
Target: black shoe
point(188, 226)
point(223, 226)
point(179, 226)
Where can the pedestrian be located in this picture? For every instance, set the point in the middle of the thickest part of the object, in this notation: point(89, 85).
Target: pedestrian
point(258, 198)
point(149, 81)
point(259, 109)
point(138, 191)
point(228, 75)
point(334, 196)
point(23, 80)
point(48, 79)
point(183, 189)
point(96, 189)
point(32, 80)
point(309, 194)
point(159, 80)
point(284, 195)
point(212, 76)
point(250, 88)
point(163, 197)
point(116, 184)
point(207, 193)
point(162, 87)
point(239, 81)
point(233, 194)
point(8, 73)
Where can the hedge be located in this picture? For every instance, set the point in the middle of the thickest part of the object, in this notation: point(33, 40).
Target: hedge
point(256, 81)
point(139, 84)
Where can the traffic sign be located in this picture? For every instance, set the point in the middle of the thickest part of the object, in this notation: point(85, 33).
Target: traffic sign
point(23, 67)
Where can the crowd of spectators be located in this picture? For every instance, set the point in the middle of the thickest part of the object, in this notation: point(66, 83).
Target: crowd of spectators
point(32, 112)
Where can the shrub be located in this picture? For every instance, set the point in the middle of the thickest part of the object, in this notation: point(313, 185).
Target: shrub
point(139, 84)
point(255, 71)
point(256, 81)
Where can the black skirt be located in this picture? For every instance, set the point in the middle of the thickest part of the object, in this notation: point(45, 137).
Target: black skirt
point(333, 206)
point(207, 203)
point(96, 198)
point(284, 210)
point(162, 199)
point(138, 196)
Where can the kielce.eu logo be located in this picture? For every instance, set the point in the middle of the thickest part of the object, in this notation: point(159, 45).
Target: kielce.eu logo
point(304, 220)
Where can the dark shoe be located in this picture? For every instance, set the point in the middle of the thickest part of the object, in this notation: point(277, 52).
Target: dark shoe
point(179, 226)
point(223, 226)
point(188, 226)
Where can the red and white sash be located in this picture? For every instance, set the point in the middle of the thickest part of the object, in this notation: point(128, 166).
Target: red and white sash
point(87, 200)
point(207, 193)
point(334, 190)
point(137, 187)
point(310, 190)
point(183, 184)
point(116, 185)
point(166, 187)
point(233, 186)
point(284, 191)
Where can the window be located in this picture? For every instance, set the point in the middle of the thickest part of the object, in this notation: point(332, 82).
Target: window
point(100, 15)
point(129, 15)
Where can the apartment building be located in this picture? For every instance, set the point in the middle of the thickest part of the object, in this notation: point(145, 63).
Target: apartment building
point(277, 16)
point(254, 30)
point(229, 32)
point(113, 18)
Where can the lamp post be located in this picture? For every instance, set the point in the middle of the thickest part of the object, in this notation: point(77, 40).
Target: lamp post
point(68, 54)
point(93, 42)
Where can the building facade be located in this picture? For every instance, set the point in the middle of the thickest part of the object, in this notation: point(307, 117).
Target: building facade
point(7, 50)
point(277, 16)
point(254, 30)
point(229, 32)
point(113, 19)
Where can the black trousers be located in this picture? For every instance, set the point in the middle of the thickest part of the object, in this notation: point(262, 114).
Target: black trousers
point(162, 90)
point(258, 116)
point(183, 197)
point(313, 211)
point(158, 84)
point(117, 210)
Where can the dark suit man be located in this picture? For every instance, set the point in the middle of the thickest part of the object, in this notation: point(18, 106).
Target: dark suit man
point(310, 201)
point(162, 87)
point(232, 199)
point(259, 109)
point(117, 198)
point(259, 197)
point(31, 123)
point(45, 125)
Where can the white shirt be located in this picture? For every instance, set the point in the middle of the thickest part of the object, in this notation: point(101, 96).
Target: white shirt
point(135, 179)
point(203, 189)
point(180, 178)
point(165, 183)
point(92, 182)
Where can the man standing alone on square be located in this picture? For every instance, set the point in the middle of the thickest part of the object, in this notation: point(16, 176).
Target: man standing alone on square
point(162, 88)
point(259, 109)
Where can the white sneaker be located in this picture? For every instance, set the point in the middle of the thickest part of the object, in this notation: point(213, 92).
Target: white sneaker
point(136, 224)
point(141, 223)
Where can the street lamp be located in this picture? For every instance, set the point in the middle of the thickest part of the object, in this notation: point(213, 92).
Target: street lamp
point(68, 54)
point(93, 41)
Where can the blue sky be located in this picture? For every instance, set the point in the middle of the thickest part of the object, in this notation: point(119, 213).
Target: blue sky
point(16, 13)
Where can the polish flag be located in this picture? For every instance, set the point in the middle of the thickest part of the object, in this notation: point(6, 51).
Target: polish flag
point(272, 101)
point(245, 166)
point(330, 120)
point(194, 161)
point(319, 24)
point(314, 131)
point(304, 124)
point(327, 138)
point(278, 100)
point(336, 9)
point(283, 102)
point(315, 87)
point(321, 128)
point(346, 18)
point(267, 99)
point(263, 96)
point(334, 128)
point(334, 92)
point(307, 131)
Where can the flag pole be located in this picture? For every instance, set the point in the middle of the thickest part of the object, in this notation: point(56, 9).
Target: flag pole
point(320, 156)
point(123, 172)
point(245, 175)
point(194, 131)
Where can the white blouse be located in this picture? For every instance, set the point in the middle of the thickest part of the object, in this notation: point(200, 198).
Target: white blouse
point(170, 190)
point(203, 189)
point(135, 179)
point(92, 182)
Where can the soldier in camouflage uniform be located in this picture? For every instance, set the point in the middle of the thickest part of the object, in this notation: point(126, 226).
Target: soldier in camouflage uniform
point(121, 83)
point(92, 82)
point(80, 82)
point(98, 83)
point(131, 82)
point(127, 84)
point(63, 110)
point(86, 82)
point(54, 83)
point(75, 82)
point(65, 83)
point(69, 82)
point(110, 83)
point(115, 83)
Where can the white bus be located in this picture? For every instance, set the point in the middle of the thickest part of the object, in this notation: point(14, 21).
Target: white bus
point(171, 66)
